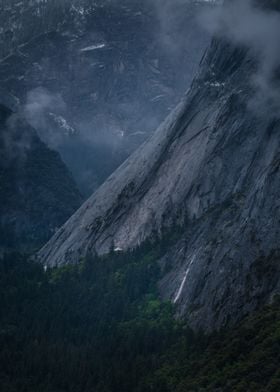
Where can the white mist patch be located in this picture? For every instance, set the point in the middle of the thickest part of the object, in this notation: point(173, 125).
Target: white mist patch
point(38, 102)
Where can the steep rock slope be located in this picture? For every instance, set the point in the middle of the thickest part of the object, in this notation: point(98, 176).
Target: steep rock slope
point(98, 75)
point(211, 168)
point(37, 193)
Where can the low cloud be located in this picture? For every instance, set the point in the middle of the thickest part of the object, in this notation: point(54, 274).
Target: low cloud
point(38, 102)
point(173, 17)
point(41, 110)
point(242, 23)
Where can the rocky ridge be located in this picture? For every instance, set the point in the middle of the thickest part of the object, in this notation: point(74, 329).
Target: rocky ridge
point(211, 168)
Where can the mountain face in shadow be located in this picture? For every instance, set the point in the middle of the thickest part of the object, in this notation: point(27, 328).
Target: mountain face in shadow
point(37, 192)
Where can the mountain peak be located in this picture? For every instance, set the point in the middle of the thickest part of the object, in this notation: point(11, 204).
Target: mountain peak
point(211, 168)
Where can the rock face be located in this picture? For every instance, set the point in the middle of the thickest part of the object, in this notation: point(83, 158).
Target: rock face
point(37, 193)
point(213, 168)
point(98, 76)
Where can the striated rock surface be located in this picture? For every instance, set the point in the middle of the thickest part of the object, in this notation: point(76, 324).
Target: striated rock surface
point(97, 77)
point(213, 168)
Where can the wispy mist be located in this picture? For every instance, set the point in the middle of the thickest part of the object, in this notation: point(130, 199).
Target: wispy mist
point(173, 17)
point(243, 23)
point(38, 101)
point(43, 106)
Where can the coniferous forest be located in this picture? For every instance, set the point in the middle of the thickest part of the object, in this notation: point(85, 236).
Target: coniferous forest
point(99, 326)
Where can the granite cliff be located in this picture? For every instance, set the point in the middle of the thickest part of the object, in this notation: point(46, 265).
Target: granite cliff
point(212, 169)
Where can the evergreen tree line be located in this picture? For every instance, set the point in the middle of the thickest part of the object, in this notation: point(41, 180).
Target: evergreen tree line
point(100, 326)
